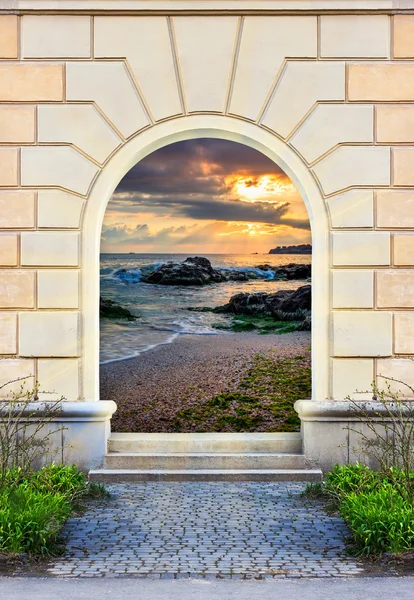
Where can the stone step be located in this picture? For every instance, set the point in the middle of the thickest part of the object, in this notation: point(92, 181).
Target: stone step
point(207, 460)
point(135, 475)
point(205, 442)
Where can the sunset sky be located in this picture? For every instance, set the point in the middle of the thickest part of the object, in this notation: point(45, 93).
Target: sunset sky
point(204, 196)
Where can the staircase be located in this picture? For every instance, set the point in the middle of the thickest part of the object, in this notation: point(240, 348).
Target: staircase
point(205, 457)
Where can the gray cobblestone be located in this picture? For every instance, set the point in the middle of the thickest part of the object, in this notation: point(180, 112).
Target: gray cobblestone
point(204, 529)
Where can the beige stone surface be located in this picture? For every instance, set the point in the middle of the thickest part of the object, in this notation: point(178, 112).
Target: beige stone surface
point(395, 288)
point(403, 331)
point(352, 377)
point(78, 124)
point(9, 249)
point(151, 64)
point(8, 333)
point(9, 162)
point(61, 166)
point(332, 124)
point(205, 48)
point(352, 288)
point(403, 160)
point(360, 248)
point(31, 82)
point(109, 85)
point(401, 369)
point(48, 334)
point(277, 38)
point(404, 250)
point(355, 36)
point(41, 248)
point(300, 86)
point(394, 124)
point(58, 377)
point(354, 166)
point(354, 208)
point(8, 36)
point(15, 368)
point(395, 208)
point(56, 36)
point(381, 81)
point(17, 124)
point(58, 209)
point(17, 209)
point(17, 289)
point(362, 333)
point(58, 288)
point(403, 36)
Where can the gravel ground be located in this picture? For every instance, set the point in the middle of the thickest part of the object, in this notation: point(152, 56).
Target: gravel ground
point(153, 387)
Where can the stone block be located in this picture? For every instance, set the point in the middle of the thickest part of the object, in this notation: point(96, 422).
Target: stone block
point(404, 332)
point(8, 333)
point(352, 288)
point(352, 377)
point(31, 82)
point(8, 249)
point(277, 37)
point(355, 36)
point(354, 166)
point(58, 377)
point(151, 64)
point(403, 36)
point(56, 36)
point(205, 47)
point(403, 159)
point(395, 124)
point(9, 165)
point(9, 36)
point(300, 86)
point(17, 289)
point(49, 334)
point(17, 209)
point(332, 124)
point(110, 86)
point(17, 124)
point(395, 209)
point(362, 333)
point(58, 288)
point(381, 82)
point(78, 124)
point(395, 289)
point(16, 368)
point(60, 166)
point(400, 369)
point(60, 248)
point(354, 208)
point(351, 248)
point(404, 250)
point(58, 209)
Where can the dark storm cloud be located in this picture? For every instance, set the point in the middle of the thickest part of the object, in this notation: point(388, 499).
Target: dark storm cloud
point(195, 166)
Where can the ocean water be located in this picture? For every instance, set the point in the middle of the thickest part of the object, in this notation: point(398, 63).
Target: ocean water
point(163, 310)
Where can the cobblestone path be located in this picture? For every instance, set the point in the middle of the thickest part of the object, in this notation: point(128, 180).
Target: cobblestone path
point(173, 530)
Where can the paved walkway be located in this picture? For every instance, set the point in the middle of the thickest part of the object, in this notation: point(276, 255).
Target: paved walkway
point(210, 530)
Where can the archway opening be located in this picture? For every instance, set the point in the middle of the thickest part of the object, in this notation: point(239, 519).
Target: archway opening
point(203, 328)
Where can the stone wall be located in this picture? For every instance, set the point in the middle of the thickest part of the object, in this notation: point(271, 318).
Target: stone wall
point(84, 96)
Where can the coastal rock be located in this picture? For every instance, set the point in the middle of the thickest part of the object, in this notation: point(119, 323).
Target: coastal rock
point(283, 305)
point(298, 249)
point(195, 270)
point(109, 309)
point(290, 271)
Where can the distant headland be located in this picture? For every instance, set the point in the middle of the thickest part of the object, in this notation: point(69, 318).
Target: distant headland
point(299, 249)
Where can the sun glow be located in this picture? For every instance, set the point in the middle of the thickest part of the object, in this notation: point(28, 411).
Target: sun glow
point(263, 188)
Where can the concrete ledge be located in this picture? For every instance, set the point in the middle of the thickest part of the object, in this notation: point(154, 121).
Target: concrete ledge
point(125, 475)
point(65, 411)
point(345, 410)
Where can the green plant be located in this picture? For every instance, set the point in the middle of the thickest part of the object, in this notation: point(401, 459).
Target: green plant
point(26, 428)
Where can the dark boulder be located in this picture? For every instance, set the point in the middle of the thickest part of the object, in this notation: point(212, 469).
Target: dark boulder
point(108, 309)
point(193, 271)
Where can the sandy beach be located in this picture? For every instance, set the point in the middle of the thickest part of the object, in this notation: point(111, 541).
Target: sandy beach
point(150, 389)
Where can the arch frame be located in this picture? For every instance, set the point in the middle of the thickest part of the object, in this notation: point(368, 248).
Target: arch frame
point(192, 127)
